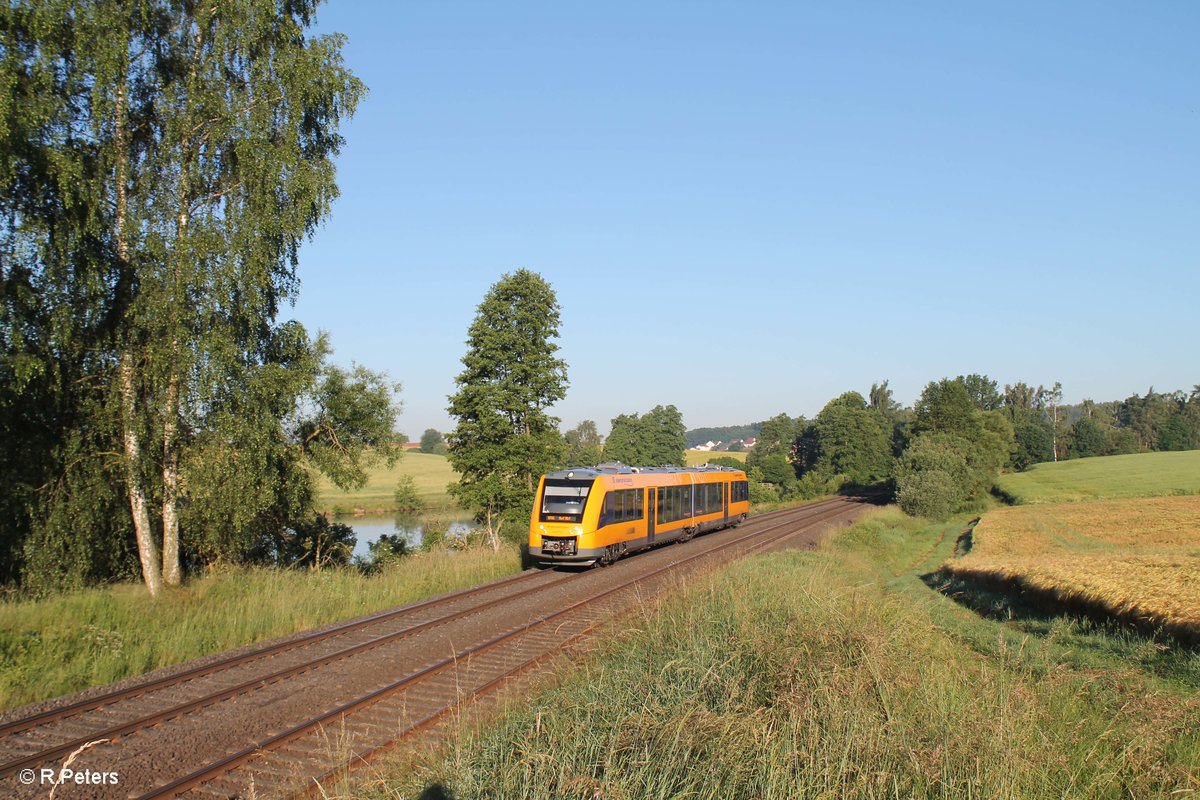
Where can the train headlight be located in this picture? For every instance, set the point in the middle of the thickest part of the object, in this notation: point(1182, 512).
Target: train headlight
point(577, 530)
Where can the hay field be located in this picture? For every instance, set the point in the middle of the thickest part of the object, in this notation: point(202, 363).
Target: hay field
point(1134, 559)
point(1106, 478)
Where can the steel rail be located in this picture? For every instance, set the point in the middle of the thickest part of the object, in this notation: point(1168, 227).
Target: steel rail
point(167, 681)
point(366, 757)
point(259, 682)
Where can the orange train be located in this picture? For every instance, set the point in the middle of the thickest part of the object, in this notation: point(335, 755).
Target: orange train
point(595, 515)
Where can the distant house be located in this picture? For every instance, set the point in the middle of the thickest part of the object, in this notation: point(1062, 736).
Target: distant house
point(707, 446)
point(749, 442)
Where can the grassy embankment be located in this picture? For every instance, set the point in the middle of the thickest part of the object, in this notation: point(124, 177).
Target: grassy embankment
point(837, 673)
point(63, 644)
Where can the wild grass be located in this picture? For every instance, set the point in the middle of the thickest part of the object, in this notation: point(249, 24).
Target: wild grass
point(1106, 477)
point(71, 642)
point(1133, 559)
point(833, 674)
point(431, 474)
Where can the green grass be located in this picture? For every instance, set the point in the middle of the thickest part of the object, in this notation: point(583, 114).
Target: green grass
point(431, 474)
point(1106, 477)
point(70, 642)
point(830, 674)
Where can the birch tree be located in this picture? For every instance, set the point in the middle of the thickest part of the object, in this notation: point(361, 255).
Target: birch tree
point(191, 148)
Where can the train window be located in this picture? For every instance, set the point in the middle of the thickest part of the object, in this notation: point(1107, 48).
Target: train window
point(563, 501)
point(621, 506)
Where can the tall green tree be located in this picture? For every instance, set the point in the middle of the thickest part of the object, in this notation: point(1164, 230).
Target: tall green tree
point(505, 438)
point(982, 391)
point(430, 439)
point(655, 439)
point(853, 441)
point(583, 444)
point(945, 406)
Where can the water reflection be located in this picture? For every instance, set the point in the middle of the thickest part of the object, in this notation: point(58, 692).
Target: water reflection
point(410, 527)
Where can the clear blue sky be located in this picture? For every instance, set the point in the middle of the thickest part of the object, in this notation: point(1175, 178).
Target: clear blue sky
point(748, 208)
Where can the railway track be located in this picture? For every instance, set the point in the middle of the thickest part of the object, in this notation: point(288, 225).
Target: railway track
point(368, 683)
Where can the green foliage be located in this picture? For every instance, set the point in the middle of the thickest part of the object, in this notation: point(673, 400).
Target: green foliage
point(161, 165)
point(1175, 434)
point(776, 435)
point(982, 391)
point(760, 491)
point(407, 497)
point(430, 439)
point(881, 400)
point(316, 543)
point(1086, 439)
point(1034, 441)
point(852, 441)
point(350, 424)
point(946, 407)
point(655, 439)
point(504, 439)
point(583, 445)
point(727, 461)
point(383, 553)
point(931, 493)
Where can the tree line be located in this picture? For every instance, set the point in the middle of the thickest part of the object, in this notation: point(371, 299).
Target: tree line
point(942, 454)
point(161, 165)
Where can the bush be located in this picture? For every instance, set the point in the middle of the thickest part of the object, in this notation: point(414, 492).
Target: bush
point(388, 549)
point(930, 493)
point(407, 498)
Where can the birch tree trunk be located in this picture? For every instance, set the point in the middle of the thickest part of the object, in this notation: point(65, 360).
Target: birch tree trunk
point(147, 548)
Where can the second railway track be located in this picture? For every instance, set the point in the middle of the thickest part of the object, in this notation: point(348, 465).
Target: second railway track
point(279, 717)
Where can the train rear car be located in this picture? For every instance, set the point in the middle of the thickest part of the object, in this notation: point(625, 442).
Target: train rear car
point(595, 515)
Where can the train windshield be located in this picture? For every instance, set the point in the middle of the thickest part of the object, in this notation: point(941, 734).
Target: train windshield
point(563, 500)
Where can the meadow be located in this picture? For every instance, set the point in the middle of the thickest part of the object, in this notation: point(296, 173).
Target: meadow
point(1105, 477)
point(829, 674)
point(430, 473)
point(1135, 559)
point(96, 636)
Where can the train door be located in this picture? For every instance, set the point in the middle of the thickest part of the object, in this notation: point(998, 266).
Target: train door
point(650, 506)
point(725, 500)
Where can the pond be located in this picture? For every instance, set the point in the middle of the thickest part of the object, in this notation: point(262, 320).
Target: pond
point(411, 527)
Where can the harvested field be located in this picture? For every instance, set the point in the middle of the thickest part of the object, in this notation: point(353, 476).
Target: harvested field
point(1137, 560)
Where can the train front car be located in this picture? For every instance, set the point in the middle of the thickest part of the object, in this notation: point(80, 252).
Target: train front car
point(563, 524)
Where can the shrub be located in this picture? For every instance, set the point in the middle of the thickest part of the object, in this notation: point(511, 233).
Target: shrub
point(407, 498)
point(930, 493)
